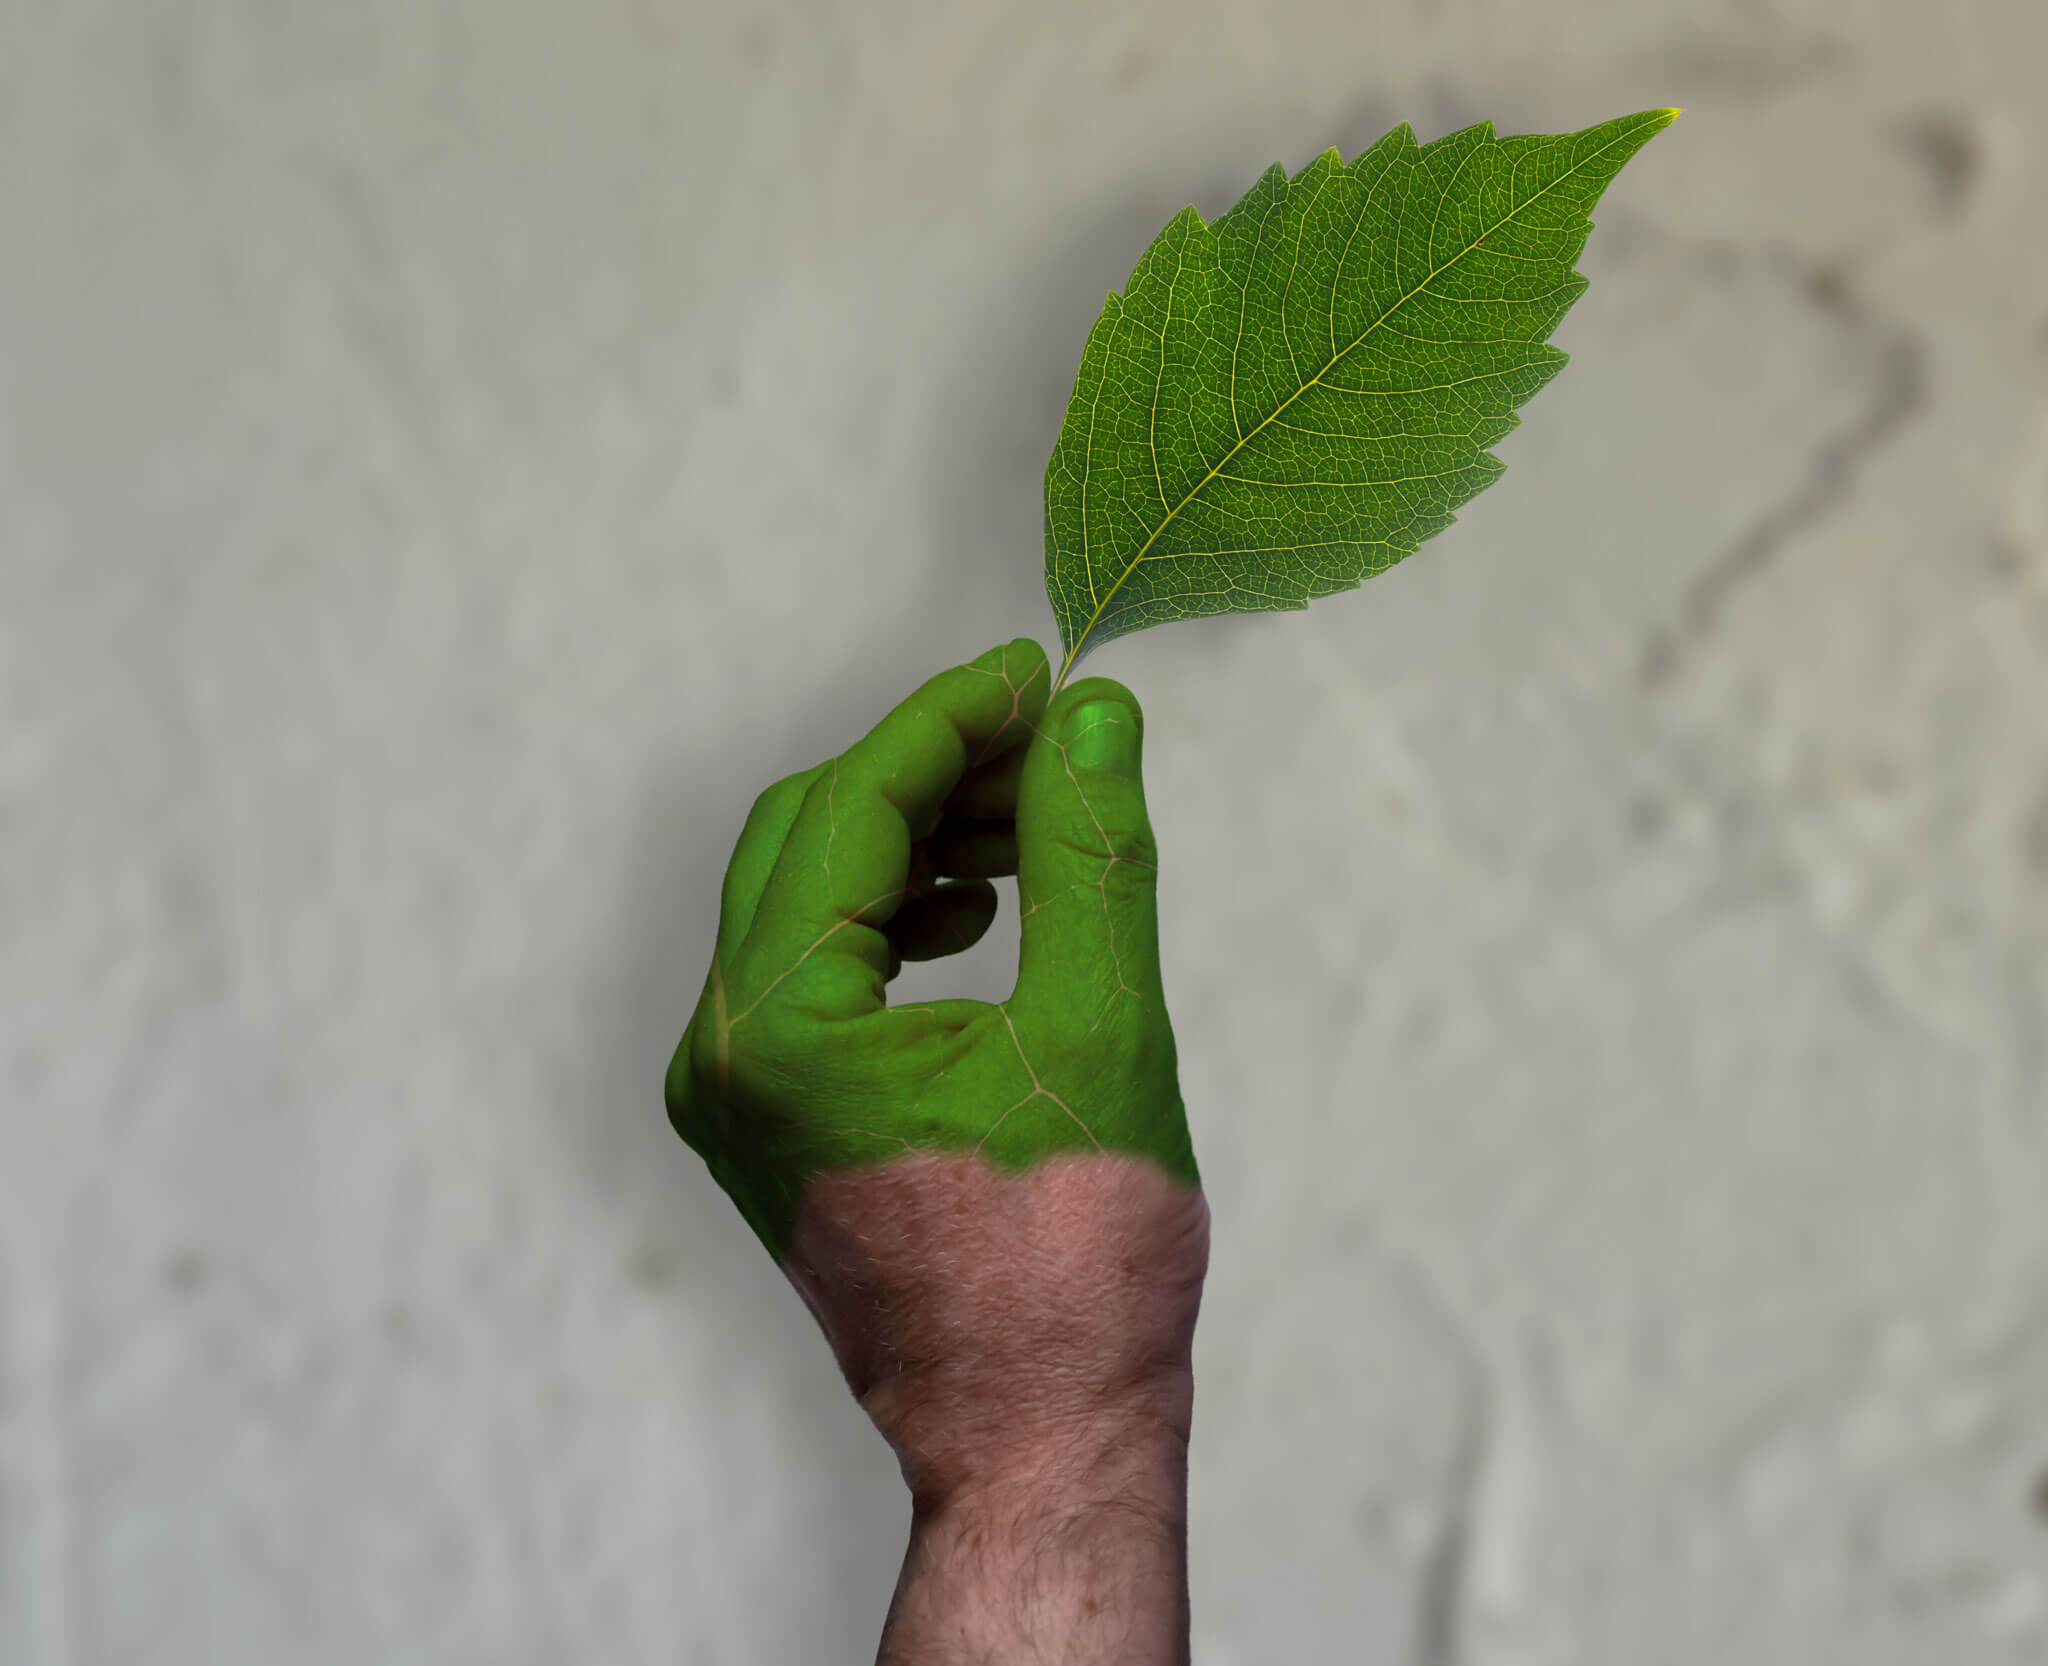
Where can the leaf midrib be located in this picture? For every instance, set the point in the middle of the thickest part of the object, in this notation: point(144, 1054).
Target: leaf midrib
point(1335, 358)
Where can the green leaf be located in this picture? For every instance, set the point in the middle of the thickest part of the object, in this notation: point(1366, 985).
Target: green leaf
point(1282, 404)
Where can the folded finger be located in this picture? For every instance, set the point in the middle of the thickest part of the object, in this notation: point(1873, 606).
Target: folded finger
point(962, 849)
point(845, 866)
point(989, 791)
point(950, 919)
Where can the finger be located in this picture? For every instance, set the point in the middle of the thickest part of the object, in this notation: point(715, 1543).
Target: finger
point(753, 857)
point(989, 792)
point(962, 849)
point(844, 870)
point(1088, 873)
point(954, 917)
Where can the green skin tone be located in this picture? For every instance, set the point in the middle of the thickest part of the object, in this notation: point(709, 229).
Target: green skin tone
point(794, 1067)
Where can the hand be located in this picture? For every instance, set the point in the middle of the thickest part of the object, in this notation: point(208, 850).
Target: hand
point(993, 1211)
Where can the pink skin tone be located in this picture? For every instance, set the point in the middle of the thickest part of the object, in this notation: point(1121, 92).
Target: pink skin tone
point(976, 1314)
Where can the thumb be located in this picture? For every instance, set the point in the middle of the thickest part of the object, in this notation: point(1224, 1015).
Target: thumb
point(1087, 864)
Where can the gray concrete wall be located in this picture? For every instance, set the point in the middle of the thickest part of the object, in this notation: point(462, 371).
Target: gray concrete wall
point(454, 453)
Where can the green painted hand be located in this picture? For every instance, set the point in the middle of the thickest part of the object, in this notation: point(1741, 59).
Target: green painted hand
point(794, 1066)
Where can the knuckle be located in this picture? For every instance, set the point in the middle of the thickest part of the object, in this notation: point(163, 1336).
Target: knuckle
point(1129, 839)
point(1111, 820)
point(789, 794)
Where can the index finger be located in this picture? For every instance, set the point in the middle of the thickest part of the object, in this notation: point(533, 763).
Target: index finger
point(845, 867)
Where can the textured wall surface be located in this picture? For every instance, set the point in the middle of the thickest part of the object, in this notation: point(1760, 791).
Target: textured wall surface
point(455, 453)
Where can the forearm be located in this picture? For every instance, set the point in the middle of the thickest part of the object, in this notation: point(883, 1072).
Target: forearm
point(1078, 1557)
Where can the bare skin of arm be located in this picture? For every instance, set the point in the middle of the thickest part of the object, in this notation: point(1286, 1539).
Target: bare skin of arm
point(993, 1211)
point(1047, 1457)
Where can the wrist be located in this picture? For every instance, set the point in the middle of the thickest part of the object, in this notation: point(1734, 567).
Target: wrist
point(1074, 1551)
point(960, 1439)
point(1135, 1448)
